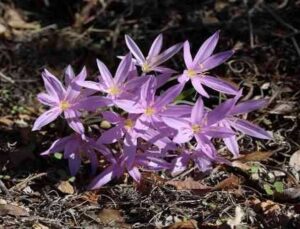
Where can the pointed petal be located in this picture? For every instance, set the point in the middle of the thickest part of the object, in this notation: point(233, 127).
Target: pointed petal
point(112, 135)
point(164, 70)
point(129, 150)
point(162, 79)
point(53, 86)
point(216, 59)
point(74, 121)
point(57, 146)
point(250, 129)
point(135, 174)
point(176, 123)
point(232, 145)
point(183, 78)
point(164, 56)
point(129, 105)
point(69, 75)
point(219, 85)
point(47, 99)
point(123, 70)
point(248, 106)
point(92, 156)
point(183, 136)
point(105, 74)
point(220, 112)
point(179, 164)
point(74, 164)
point(103, 178)
point(197, 83)
point(91, 85)
point(111, 117)
point(157, 138)
point(148, 91)
point(198, 112)
point(168, 96)
point(46, 118)
point(156, 46)
point(177, 111)
point(134, 49)
point(92, 103)
point(218, 132)
point(206, 49)
point(188, 60)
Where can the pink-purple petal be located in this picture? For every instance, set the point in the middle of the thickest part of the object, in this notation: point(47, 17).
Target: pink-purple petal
point(46, 118)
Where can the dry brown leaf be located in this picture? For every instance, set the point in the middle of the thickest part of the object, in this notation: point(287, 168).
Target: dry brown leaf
point(6, 121)
point(16, 21)
point(13, 210)
point(295, 161)
point(269, 207)
point(189, 224)
point(255, 156)
point(39, 226)
point(284, 107)
point(65, 187)
point(241, 165)
point(91, 196)
point(188, 184)
point(229, 183)
point(112, 217)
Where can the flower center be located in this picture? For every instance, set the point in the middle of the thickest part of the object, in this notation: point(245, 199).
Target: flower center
point(149, 111)
point(196, 128)
point(191, 73)
point(113, 90)
point(146, 68)
point(64, 105)
point(128, 123)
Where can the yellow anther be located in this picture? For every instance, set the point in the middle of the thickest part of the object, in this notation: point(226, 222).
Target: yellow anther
point(146, 68)
point(128, 123)
point(149, 111)
point(191, 73)
point(113, 90)
point(64, 105)
point(196, 128)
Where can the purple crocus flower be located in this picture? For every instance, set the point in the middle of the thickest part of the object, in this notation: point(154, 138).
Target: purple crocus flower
point(126, 126)
point(67, 100)
point(201, 124)
point(74, 146)
point(154, 59)
point(150, 107)
point(202, 159)
point(204, 61)
point(231, 121)
point(130, 160)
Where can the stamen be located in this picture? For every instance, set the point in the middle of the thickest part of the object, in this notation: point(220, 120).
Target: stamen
point(64, 105)
point(128, 123)
point(146, 68)
point(191, 73)
point(113, 90)
point(196, 128)
point(149, 111)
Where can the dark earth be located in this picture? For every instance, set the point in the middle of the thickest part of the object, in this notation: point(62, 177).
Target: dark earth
point(260, 190)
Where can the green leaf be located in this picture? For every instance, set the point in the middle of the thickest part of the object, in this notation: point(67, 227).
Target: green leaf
point(254, 169)
point(268, 189)
point(278, 185)
point(58, 156)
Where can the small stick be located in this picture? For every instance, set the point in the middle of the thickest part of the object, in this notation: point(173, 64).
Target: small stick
point(6, 78)
point(4, 189)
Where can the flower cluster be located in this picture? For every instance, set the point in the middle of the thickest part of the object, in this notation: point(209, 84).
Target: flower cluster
point(151, 128)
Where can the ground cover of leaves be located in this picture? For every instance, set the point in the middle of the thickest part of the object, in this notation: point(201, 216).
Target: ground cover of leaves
point(260, 189)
